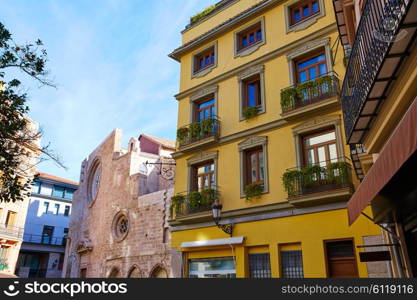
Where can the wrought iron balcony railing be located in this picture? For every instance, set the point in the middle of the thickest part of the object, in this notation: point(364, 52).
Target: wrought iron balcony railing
point(321, 177)
point(11, 231)
point(309, 92)
point(380, 22)
point(44, 240)
point(198, 131)
point(193, 202)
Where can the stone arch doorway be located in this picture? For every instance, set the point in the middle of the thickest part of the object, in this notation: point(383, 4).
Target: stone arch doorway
point(114, 273)
point(159, 272)
point(134, 272)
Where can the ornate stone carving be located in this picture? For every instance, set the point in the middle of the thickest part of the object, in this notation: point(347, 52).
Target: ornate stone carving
point(202, 156)
point(308, 47)
point(252, 142)
point(204, 92)
point(85, 245)
point(317, 122)
point(251, 71)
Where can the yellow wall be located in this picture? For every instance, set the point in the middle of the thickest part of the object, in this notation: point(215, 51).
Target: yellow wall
point(310, 230)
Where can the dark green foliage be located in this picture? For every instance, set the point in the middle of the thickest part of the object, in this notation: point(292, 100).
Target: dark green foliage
point(253, 190)
point(250, 112)
point(15, 138)
point(202, 14)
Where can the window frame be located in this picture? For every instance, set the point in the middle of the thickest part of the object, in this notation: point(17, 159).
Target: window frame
point(196, 177)
point(200, 101)
point(197, 160)
point(201, 95)
point(248, 165)
point(247, 75)
point(200, 72)
point(258, 92)
point(304, 22)
point(268, 260)
point(308, 57)
point(315, 147)
point(299, 6)
point(243, 147)
point(246, 33)
point(246, 30)
point(67, 210)
point(326, 254)
point(57, 207)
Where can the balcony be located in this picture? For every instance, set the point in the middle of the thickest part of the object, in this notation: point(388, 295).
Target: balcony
point(299, 98)
point(193, 203)
point(198, 134)
point(44, 240)
point(383, 40)
point(11, 231)
point(325, 182)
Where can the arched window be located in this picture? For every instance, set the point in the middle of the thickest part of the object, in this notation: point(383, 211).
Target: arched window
point(134, 273)
point(114, 273)
point(159, 272)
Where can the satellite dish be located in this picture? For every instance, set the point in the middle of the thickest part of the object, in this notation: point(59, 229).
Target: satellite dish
point(143, 169)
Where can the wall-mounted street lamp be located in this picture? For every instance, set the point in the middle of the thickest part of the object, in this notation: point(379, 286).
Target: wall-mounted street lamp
point(217, 214)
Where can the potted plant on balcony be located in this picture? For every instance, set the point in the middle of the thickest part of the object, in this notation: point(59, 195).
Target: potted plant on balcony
point(194, 200)
point(250, 112)
point(311, 176)
point(291, 181)
point(338, 172)
point(253, 190)
point(207, 126)
point(325, 84)
point(177, 202)
point(182, 135)
point(288, 98)
point(195, 130)
point(208, 196)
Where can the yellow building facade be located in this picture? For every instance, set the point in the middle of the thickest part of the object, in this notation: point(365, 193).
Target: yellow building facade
point(260, 136)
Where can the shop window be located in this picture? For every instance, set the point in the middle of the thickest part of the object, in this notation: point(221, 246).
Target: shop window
point(212, 268)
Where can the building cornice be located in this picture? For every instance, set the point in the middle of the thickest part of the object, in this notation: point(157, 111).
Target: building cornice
point(260, 60)
point(241, 17)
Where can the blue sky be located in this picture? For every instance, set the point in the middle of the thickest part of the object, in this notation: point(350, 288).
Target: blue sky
point(109, 61)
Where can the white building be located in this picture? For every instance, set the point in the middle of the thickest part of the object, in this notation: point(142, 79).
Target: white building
point(46, 227)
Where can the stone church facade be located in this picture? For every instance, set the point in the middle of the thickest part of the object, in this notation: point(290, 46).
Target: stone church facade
point(119, 223)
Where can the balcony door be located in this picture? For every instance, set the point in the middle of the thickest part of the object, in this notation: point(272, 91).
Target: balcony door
point(205, 109)
point(320, 148)
point(311, 67)
point(204, 176)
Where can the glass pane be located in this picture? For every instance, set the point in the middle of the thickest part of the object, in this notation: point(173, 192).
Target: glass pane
point(206, 103)
point(311, 159)
point(58, 192)
point(297, 16)
point(200, 115)
point(207, 60)
point(213, 58)
point(212, 268)
point(303, 76)
point(244, 42)
point(69, 193)
point(306, 11)
point(251, 95)
point(321, 139)
point(323, 69)
point(315, 7)
point(201, 63)
point(261, 166)
point(252, 38)
point(322, 156)
point(333, 153)
point(311, 61)
point(254, 167)
point(206, 114)
point(313, 73)
point(259, 35)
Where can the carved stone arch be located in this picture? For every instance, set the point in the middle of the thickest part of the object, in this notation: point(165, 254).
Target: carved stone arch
point(93, 170)
point(114, 273)
point(134, 272)
point(159, 271)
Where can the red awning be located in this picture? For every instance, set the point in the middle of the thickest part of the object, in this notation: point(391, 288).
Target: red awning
point(399, 148)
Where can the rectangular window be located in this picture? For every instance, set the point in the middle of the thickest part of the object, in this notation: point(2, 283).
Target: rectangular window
point(47, 234)
point(341, 261)
point(69, 194)
point(259, 265)
point(83, 273)
point(36, 187)
point(4, 251)
point(252, 92)
point(204, 109)
point(58, 192)
point(56, 210)
point(292, 264)
point(255, 167)
point(320, 148)
point(249, 37)
point(67, 210)
point(11, 218)
point(304, 10)
point(311, 67)
point(204, 176)
point(212, 268)
point(204, 60)
point(45, 207)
